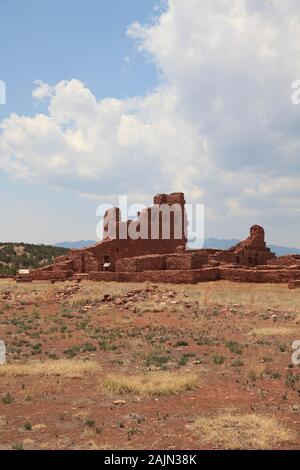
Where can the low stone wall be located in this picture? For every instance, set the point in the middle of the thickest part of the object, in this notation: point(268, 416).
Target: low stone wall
point(142, 263)
point(50, 275)
point(187, 276)
point(206, 274)
point(182, 261)
point(294, 284)
point(259, 276)
point(23, 278)
point(287, 260)
point(176, 277)
point(105, 276)
point(194, 276)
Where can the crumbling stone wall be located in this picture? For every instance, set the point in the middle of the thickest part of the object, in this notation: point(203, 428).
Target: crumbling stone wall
point(202, 275)
point(167, 260)
point(114, 248)
point(253, 251)
point(142, 263)
point(288, 260)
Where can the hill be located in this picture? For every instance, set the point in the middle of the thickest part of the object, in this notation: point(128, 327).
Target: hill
point(15, 256)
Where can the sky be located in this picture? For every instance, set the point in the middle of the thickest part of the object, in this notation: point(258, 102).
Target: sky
point(108, 97)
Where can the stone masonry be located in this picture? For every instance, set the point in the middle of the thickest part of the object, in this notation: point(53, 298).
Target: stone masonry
point(149, 256)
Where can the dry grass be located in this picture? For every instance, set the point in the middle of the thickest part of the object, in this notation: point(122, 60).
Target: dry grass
point(234, 431)
point(274, 331)
point(254, 296)
point(91, 292)
point(28, 293)
point(62, 367)
point(151, 384)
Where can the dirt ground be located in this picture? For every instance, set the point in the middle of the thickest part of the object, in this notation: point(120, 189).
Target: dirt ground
point(236, 338)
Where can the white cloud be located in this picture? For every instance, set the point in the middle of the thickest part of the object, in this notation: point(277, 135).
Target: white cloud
point(42, 90)
point(108, 145)
point(221, 123)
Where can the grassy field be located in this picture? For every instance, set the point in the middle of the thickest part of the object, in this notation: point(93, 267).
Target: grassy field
point(133, 366)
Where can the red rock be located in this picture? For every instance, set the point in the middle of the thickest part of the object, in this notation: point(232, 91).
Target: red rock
point(294, 284)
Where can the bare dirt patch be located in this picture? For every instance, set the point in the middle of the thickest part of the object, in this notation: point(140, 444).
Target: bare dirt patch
point(65, 340)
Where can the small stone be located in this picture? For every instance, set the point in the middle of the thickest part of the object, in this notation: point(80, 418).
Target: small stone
point(39, 427)
point(296, 408)
point(120, 402)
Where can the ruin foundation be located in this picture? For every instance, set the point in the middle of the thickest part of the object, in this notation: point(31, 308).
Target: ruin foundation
point(158, 259)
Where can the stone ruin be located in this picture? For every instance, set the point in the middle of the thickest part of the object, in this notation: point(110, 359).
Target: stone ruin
point(144, 258)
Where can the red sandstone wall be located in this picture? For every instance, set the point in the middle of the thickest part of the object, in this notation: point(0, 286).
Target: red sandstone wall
point(143, 263)
point(183, 261)
point(206, 275)
point(199, 275)
point(173, 276)
point(40, 275)
point(178, 277)
point(253, 251)
point(294, 285)
point(165, 260)
point(66, 266)
point(288, 260)
point(251, 275)
point(93, 258)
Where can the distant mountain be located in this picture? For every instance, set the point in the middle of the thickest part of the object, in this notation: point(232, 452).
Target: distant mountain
point(220, 244)
point(216, 243)
point(77, 245)
point(284, 250)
